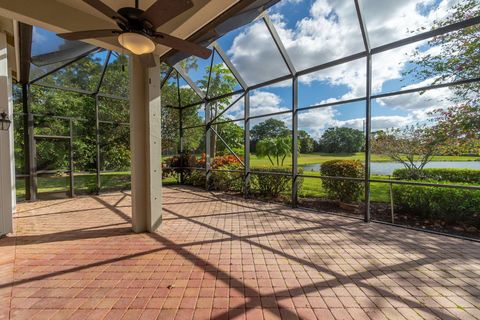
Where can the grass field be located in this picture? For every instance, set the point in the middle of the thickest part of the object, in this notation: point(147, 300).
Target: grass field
point(313, 158)
point(312, 187)
point(84, 183)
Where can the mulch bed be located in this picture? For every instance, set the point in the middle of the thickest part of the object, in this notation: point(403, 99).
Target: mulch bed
point(382, 212)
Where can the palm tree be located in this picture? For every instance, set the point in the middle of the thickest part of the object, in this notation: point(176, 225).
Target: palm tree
point(275, 148)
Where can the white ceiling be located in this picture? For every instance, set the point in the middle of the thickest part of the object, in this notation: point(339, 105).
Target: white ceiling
point(75, 15)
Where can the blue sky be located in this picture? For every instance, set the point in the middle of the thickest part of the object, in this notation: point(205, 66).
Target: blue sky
point(319, 31)
point(44, 41)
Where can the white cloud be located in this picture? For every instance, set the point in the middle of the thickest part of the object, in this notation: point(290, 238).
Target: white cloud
point(235, 111)
point(380, 122)
point(284, 2)
point(316, 121)
point(256, 56)
point(391, 20)
point(331, 31)
point(421, 102)
point(263, 102)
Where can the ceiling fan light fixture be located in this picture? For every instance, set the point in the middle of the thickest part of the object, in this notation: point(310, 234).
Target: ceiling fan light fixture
point(136, 43)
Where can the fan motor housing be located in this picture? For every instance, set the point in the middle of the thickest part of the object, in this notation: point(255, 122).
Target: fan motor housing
point(135, 22)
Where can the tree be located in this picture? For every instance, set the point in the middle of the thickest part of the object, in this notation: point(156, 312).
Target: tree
point(459, 126)
point(232, 134)
point(193, 139)
point(306, 142)
point(412, 146)
point(457, 54)
point(275, 148)
point(220, 82)
point(342, 140)
point(317, 146)
point(48, 104)
point(456, 57)
point(270, 128)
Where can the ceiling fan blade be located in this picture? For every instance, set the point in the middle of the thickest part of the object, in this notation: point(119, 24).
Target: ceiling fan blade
point(89, 34)
point(148, 60)
point(182, 45)
point(106, 10)
point(164, 10)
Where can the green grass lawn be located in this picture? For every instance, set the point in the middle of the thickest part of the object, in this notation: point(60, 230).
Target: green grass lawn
point(84, 183)
point(312, 187)
point(313, 158)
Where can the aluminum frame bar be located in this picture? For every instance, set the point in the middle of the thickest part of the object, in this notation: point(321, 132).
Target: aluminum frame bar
point(278, 42)
point(230, 65)
point(228, 147)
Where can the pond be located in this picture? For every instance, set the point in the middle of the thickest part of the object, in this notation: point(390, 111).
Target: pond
point(387, 168)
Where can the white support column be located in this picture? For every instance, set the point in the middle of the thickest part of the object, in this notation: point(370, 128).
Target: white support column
point(145, 140)
point(7, 160)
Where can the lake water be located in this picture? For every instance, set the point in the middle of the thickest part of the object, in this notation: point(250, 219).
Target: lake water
point(387, 168)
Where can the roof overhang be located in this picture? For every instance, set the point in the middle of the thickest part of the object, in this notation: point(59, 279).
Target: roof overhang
point(8, 26)
point(75, 15)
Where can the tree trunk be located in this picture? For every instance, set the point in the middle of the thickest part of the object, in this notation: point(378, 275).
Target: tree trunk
point(270, 160)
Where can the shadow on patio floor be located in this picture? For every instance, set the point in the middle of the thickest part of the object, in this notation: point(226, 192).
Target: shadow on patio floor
point(218, 256)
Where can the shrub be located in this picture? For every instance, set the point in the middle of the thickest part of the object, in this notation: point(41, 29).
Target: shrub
point(227, 180)
point(272, 185)
point(447, 204)
point(219, 180)
point(195, 178)
point(182, 160)
point(239, 151)
point(166, 171)
point(441, 174)
point(223, 161)
point(343, 190)
point(177, 166)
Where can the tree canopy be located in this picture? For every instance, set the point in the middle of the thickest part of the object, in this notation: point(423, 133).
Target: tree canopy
point(220, 83)
point(413, 146)
point(342, 140)
point(277, 148)
point(50, 105)
point(456, 57)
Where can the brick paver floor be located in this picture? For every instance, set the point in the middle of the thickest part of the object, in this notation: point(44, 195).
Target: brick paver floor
point(218, 257)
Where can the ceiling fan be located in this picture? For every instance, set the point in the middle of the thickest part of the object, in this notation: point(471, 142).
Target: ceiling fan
point(138, 28)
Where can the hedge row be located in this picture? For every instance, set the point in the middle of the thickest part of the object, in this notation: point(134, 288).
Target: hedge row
point(437, 203)
point(451, 175)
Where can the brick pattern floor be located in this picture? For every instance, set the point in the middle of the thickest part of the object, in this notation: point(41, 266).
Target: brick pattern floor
point(222, 257)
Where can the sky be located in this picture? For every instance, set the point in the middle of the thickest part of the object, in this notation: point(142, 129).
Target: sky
point(318, 31)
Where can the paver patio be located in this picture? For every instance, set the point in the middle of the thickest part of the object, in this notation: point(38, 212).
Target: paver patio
point(218, 256)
